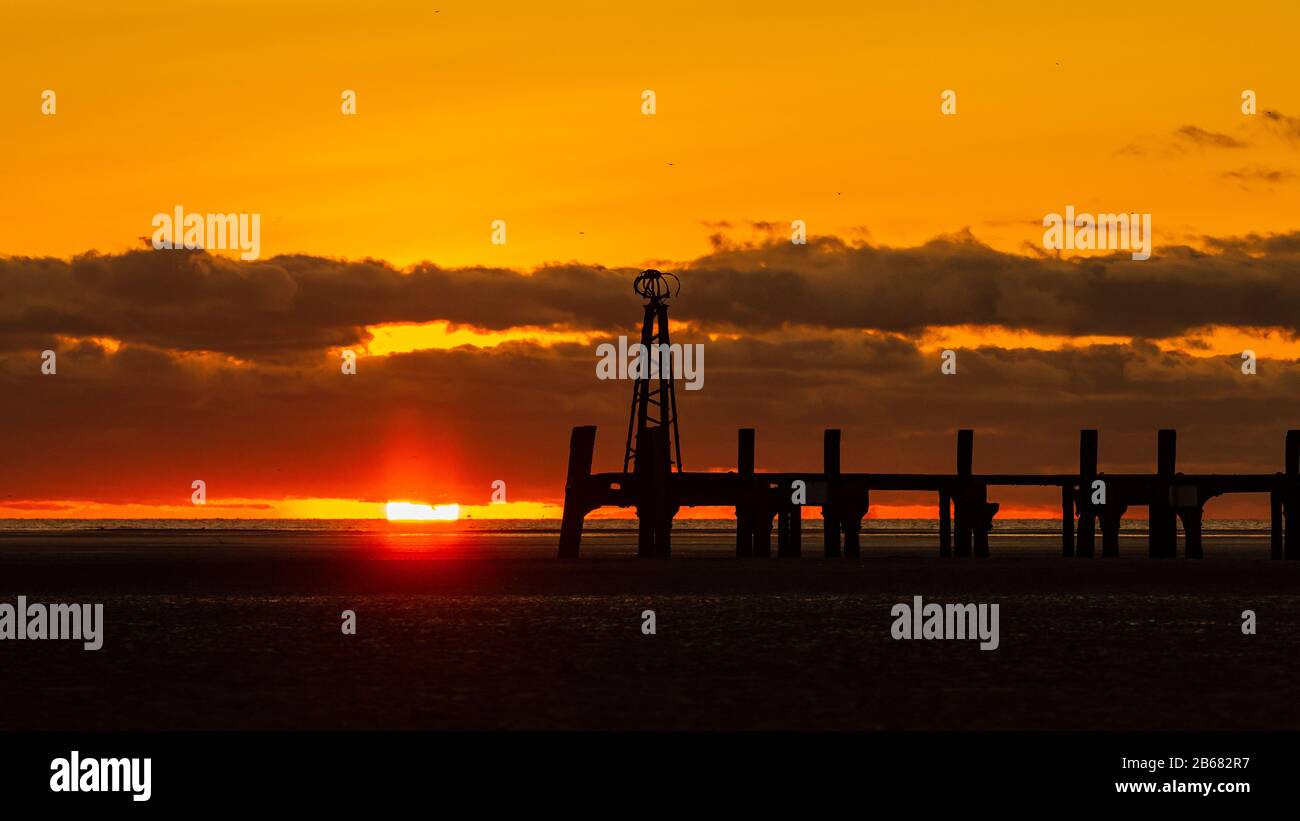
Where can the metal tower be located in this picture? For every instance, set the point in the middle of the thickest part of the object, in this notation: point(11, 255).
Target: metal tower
point(653, 390)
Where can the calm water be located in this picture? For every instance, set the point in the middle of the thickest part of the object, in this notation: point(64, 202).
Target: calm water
point(1006, 527)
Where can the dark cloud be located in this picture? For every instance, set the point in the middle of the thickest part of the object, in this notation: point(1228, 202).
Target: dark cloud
point(1257, 175)
point(140, 425)
point(1283, 125)
point(1176, 143)
point(1208, 139)
point(957, 281)
point(1261, 246)
point(292, 307)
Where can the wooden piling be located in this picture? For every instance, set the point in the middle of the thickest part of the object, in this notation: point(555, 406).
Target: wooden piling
point(745, 452)
point(852, 532)
point(851, 515)
point(654, 531)
point(645, 536)
point(745, 511)
point(582, 446)
point(830, 513)
point(1067, 522)
point(983, 521)
point(1291, 497)
point(1085, 538)
point(945, 524)
point(645, 531)
point(1275, 524)
point(795, 548)
point(965, 451)
point(964, 501)
point(1162, 522)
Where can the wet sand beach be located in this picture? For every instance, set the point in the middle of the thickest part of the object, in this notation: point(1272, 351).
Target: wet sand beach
point(240, 629)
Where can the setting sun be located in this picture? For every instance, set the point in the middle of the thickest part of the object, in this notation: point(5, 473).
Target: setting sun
point(410, 512)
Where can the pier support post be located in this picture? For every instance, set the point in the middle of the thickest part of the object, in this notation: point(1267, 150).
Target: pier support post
point(1067, 522)
point(983, 524)
point(582, 444)
point(789, 543)
point(830, 513)
point(1162, 525)
point(1085, 539)
point(964, 506)
point(1291, 497)
point(795, 548)
point(1275, 524)
point(744, 533)
point(745, 510)
point(852, 529)
point(851, 515)
point(945, 524)
point(654, 508)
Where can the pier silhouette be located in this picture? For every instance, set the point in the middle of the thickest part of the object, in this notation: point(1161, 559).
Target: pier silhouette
point(965, 514)
point(653, 483)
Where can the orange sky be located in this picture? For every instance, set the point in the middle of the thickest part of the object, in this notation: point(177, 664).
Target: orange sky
point(532, 114)
point(467, 113)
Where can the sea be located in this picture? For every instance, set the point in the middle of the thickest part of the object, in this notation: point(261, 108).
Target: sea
point(901, 527)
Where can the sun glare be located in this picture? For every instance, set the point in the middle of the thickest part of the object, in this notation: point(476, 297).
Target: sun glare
point(410, 512)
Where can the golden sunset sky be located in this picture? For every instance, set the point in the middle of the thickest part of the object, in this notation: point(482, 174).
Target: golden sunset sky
point(532, 114)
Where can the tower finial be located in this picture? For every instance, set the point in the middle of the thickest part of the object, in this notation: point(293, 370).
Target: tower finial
point(654, 285)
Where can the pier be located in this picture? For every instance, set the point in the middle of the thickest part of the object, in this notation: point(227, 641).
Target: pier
point(653, 482)
point(966, 517)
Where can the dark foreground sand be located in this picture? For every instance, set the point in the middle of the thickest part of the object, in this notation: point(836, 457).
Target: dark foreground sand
point(241, 630)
